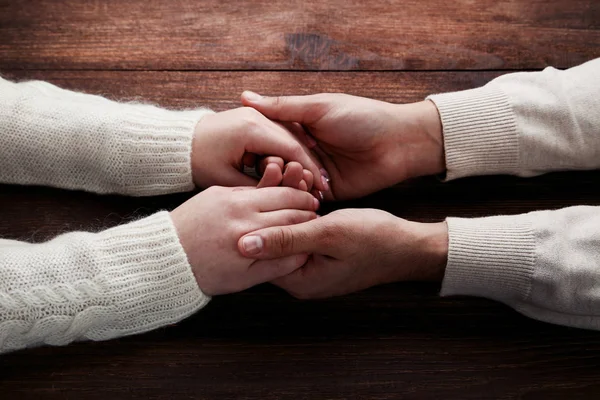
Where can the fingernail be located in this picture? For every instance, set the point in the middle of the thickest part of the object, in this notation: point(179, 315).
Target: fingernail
point(321, 195)
point(324, 173)
point(310, 141)
point(317, 204)
point(252, 96)
point(252, 244)
point(325, 183)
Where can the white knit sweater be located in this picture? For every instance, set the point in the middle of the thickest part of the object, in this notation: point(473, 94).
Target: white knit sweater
point(545, 264)
point(125, 280)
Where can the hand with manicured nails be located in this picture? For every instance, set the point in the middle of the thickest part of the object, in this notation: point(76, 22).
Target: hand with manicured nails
point(224, 142)
point(365, 145)
point(350, 250)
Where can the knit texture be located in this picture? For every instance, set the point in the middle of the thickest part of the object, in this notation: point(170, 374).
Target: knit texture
point(122, 281)
point(544, 264)
point(59, 138)
point(490, 257)
point(480, 132)
point(524, 124)
point(125, 280)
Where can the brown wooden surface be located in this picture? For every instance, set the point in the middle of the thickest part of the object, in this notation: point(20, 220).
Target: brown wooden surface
point(298, 34)
point(390, 342)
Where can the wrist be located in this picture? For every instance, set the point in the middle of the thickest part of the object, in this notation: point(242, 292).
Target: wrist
point(429, 245)
point(198, 160)
point(418, 131)
point(435, 251)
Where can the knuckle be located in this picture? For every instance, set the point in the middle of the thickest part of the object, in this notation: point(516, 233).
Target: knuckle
point(282, 239)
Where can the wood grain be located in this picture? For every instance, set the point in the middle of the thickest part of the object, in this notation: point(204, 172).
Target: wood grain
point(297, 35)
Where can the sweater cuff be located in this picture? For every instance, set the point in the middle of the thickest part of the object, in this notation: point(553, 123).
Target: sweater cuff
point(156, 146)
point(490, 257)
point(480, 132)
point(146, 272)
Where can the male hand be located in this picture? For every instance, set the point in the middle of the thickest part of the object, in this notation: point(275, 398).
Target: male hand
point(224, 142)
point(352, 249)
point(365, 145)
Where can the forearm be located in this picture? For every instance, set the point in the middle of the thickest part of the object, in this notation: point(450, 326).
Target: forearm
point(544, 264)
point(85, 286)
point(524, 124)
point(50, 136)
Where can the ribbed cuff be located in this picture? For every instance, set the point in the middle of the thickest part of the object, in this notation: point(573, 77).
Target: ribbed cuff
point(147, 277)
point(490, 257)
point(480, 133)
point(156, 149)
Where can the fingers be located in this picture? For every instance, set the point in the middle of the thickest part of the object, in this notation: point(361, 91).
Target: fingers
point(262, 164)
point(272, 176)
point(286, 217)
point(274, 139)
point(292, 175)
point(282, 241)
point(281, 198)
point(300, 132)
point(299, 109)
point(267, 270)
point(307, 177)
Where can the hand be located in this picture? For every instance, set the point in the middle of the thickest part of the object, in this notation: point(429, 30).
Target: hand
point(210, 224)
point(224, 142)
point(365, 145)
point(352, 250)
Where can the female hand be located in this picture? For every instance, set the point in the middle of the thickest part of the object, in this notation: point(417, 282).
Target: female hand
point(352, 249)
point(365, 145)
point(224, 142)
point(210, 224)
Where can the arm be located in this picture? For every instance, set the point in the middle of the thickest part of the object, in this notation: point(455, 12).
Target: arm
point(524, 123)
point(95, 286)
point(55, 137)
point(143, 275)
point(543, 264)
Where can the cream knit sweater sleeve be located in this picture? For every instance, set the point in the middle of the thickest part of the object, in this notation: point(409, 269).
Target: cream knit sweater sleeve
point(55, 137)
point(544, 264)
point(98, 286)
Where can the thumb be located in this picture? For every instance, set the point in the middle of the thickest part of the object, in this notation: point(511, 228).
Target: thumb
point(283, 108)
point(282, 241)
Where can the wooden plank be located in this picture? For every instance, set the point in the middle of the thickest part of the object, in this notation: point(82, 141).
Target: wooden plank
point(221, 89)
point(298, 35)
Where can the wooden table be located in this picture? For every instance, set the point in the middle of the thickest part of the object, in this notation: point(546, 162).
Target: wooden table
point(390, 342)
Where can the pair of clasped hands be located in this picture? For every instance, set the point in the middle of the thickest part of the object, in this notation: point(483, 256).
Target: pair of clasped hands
point(309, 149)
